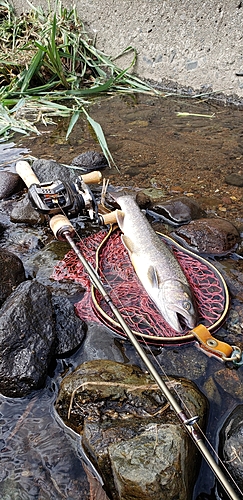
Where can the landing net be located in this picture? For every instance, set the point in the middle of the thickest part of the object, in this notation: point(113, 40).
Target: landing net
point(114, 267)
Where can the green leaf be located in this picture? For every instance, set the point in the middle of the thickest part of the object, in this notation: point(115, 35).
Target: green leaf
point(72, 122)
point(101, 138)
point(33, 68)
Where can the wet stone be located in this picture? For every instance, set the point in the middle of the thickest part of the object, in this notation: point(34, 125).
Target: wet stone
point(129, 431)
point(27, 339)
point(10, 183)
point(99, 343)
point(50, 170)
point(209, 236)
point(12, 273)
point(176, 211)
point(23, 212)
point(89, 161)
point(69, 328)
point(231, 444)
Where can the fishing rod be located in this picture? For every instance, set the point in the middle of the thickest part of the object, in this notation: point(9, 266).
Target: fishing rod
point(64, 231)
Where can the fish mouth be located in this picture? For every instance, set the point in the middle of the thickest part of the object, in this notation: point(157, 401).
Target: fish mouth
point(179, 321)
point(177, 306)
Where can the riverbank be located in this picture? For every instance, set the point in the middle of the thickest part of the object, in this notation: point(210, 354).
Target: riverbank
point(180, 45)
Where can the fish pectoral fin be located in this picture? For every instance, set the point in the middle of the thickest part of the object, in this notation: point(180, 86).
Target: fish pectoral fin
point(128, 244)
point(120, 218)
point(153, 277)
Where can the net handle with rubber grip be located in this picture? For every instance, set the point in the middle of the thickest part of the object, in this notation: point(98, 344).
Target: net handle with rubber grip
point(26, 173)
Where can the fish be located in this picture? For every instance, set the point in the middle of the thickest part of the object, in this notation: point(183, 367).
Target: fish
point(156, 267)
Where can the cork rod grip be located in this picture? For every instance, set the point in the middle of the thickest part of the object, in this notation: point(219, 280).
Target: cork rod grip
point(93, 177)
point(26, 173)
point(59, 224)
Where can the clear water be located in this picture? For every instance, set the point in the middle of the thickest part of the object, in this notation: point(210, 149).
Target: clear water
point(154, 149)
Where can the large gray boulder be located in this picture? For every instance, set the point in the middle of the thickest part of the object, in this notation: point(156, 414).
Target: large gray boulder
point(130, 432)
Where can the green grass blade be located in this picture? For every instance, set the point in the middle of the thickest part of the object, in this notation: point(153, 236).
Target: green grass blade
point(72, 122)
point(100, 137)
point(33, 68)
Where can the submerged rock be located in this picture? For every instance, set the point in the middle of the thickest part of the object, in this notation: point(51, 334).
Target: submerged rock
point(12, 273)
point(130, 432)
point(231, 444)
point(234, 179)
point(89, 161)
point(176, 211)
point(10, 183)
point(209, 236)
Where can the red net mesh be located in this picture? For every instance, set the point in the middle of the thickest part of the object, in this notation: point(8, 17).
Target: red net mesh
point(124, 288)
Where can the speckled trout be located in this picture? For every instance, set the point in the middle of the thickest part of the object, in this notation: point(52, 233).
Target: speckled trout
point(156, 267)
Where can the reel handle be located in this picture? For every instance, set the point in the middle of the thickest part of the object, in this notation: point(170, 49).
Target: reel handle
point(109, 218)
point(26, 173)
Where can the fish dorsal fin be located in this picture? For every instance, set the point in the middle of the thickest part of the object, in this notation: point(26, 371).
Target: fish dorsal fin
point(120, 218)
point(153, 277)
point(128, 244)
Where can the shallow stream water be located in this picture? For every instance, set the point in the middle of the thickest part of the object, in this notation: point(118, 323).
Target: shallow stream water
point(160, 145)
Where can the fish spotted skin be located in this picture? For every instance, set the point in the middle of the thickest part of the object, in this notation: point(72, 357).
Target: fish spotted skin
point(156, 267)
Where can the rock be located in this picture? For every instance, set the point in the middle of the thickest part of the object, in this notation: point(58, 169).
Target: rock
point(176, 211)
point(23, 212)
point(209, 236)
point(230, 381)
point(130, 432)
point(10, 183)
point(12, 273)
point(50, 170)
point(22, 240)
point(234, 180)
point(144, 466)
point(100, 343)
point(41, 264)
point(143, 200)
point(89, 161)
point(231, 444)
point(27, 339)
point(69, 328)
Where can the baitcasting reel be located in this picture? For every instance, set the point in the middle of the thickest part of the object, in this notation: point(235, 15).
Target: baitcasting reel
point(72, 198)
point(55, 197)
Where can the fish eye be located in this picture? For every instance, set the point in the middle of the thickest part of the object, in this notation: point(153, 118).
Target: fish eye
point(186, 305)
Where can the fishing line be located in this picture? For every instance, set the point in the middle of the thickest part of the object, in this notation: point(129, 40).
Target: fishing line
point(182, 402)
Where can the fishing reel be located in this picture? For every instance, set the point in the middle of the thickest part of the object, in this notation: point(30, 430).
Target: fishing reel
point(61, 197)
point(72, 198)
